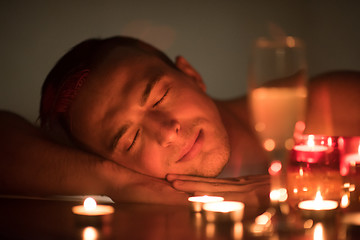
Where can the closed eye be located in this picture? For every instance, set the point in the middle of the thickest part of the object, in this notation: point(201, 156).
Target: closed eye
point(162, 98)
point(134, 140)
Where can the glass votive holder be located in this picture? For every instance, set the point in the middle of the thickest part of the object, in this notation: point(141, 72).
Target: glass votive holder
point(314, 167)
point(349, 149)
point(316, 150)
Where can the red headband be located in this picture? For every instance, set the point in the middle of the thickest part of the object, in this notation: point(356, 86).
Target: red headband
point(58, 100)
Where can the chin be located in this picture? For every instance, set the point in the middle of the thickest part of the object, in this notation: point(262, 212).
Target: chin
point(212, 166)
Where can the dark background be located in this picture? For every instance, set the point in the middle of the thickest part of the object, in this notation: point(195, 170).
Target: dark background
point(215, 36)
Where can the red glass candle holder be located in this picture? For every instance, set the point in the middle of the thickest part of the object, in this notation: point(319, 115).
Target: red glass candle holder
point(314, 167)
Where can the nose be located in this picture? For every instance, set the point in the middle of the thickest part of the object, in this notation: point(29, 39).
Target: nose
point(169, 132)
point(164, 128)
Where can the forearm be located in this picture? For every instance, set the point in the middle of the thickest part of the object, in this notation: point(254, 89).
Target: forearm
point(31, 164)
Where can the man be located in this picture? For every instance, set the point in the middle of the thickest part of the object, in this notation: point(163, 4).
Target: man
point(124, 100)
point(118, 117)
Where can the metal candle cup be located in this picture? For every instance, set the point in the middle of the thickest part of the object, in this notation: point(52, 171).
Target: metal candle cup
point(90, 208)
point(90, 213)
point(196, 202)
point(318, 208)
point(225, 211)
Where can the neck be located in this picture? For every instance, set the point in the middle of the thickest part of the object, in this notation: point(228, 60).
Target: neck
point(246, 156)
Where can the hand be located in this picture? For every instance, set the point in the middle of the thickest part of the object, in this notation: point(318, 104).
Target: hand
point(253, 190)
point(126, 185)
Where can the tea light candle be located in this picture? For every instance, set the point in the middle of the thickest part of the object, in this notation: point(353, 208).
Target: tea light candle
point(224, 211)
point(196, 202)
point(310, 152)
point(318, 204)
point(90, 208)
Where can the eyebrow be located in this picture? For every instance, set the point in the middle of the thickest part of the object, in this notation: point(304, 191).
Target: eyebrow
point(150, 86)
point(144, 97)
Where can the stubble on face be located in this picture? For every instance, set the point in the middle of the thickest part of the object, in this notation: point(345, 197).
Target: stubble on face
point(214, 160)
point(210, 161)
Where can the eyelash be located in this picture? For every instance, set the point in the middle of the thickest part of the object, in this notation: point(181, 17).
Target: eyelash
point(133, 142)
point(137, 132)
point(162, 98)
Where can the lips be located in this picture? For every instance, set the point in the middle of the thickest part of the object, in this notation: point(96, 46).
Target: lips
point(192, 150)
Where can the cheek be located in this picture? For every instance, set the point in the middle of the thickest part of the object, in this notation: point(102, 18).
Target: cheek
point(151, 160)
point(194, 102)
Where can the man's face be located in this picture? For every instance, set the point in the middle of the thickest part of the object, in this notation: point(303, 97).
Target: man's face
point(147, 116)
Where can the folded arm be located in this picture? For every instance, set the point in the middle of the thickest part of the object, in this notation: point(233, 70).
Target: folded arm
point(33, 165)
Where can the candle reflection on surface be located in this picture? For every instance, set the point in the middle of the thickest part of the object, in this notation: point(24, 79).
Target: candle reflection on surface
point(90, 233)
point(344, 203)
point(262, 224)
point(238, 231)
point(319, 232)
point(210, 230)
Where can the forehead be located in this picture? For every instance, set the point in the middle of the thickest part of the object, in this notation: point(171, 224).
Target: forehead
point(125, 61)
point(110, 87)
point(120, 70)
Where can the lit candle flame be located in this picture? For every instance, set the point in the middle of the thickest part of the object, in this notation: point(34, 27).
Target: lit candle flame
point(311, 141)
point(318, 201)
point(89, 204)
point(318, 197)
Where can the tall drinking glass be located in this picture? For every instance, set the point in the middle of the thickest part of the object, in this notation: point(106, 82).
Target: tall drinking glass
point(277, 93)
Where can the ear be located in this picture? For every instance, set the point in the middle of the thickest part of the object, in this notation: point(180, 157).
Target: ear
point(183, 65)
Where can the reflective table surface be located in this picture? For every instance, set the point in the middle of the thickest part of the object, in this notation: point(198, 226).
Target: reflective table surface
point(22, 218)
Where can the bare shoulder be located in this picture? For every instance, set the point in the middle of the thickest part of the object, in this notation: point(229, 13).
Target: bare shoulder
point(331, 80)
point(8, 118)
point(333, 106)
point(4, 114)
